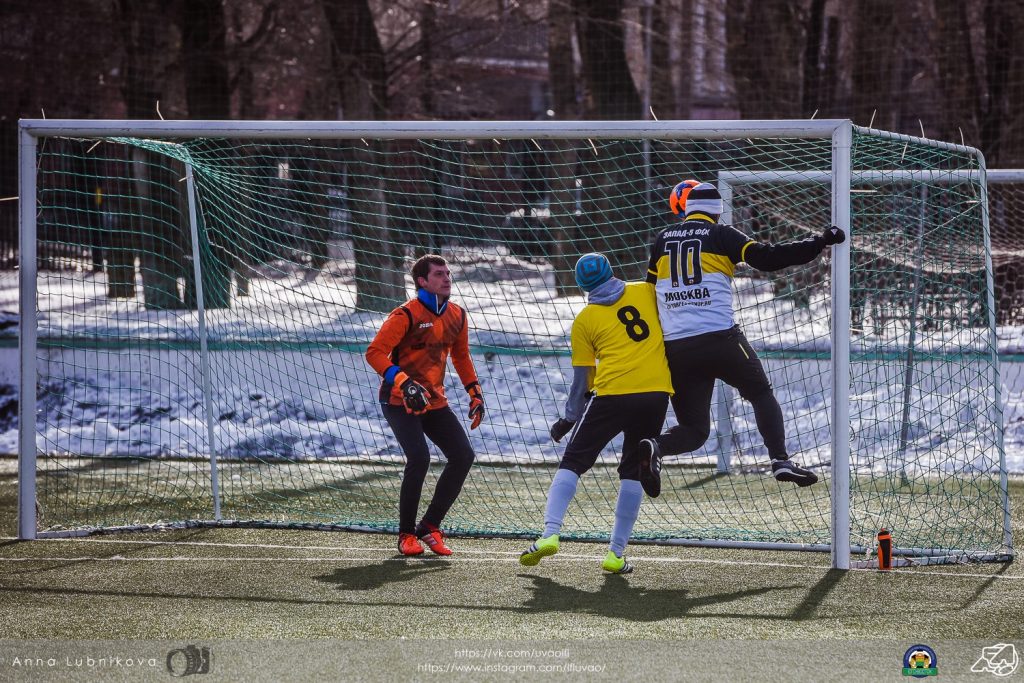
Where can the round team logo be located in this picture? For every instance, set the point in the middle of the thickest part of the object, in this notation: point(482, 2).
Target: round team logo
point(920, 661)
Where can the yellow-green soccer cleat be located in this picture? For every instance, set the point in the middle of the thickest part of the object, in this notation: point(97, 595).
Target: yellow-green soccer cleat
point(615, 564)
point(540, 549)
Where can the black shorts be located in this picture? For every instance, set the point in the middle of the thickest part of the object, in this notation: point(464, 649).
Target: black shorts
point(636, 416)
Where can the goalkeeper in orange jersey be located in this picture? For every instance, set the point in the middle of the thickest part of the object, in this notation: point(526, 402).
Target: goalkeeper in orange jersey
point(410, 353)
point(617, 351)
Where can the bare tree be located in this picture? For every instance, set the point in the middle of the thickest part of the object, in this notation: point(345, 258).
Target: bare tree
point(815, 50)
point(360, 78)
point(609, 90)
point(1011, 140)
point(671, 77)
point(956, 66)
point(205, 58)
point(999, 111)
point(205, 61)
point(877, 75)
point(154, 224)
point(562, 78)
point(764, 51)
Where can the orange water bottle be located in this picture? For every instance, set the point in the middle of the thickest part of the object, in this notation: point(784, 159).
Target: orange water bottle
point(884, 549)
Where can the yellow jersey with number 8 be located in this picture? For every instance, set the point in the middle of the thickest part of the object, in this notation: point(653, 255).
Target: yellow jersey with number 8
point(624, 341)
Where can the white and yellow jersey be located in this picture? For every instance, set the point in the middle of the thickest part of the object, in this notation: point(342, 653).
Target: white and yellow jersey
point(691, 268)
point(622, 337)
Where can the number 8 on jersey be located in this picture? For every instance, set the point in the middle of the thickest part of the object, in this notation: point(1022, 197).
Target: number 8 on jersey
point(627, 331)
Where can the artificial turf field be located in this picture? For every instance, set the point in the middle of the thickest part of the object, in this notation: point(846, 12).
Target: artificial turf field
point(685, 614)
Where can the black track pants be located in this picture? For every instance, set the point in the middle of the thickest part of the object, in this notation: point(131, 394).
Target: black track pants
point(443, 428)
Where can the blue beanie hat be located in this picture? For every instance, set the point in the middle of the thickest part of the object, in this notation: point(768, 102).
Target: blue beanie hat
point(592, 270)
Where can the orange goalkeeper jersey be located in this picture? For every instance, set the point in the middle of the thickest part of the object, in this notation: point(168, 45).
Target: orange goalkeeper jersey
point(419, 342)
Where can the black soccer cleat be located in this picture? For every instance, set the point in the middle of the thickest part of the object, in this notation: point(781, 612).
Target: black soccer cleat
point(650, 467)
point(787, 470)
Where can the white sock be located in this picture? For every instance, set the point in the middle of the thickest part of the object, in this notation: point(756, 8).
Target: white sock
point(627, 509)
point(563, 488)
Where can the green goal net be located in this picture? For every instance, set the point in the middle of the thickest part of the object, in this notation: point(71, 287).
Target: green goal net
point(203, 296)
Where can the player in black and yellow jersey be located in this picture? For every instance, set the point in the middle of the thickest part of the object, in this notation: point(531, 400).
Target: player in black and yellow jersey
point(692, 268)
point(618, 358)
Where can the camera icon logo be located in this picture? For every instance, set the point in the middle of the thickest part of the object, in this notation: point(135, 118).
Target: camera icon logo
point(189, 660)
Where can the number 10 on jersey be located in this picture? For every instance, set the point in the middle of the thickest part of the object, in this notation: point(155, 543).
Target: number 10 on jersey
point(684, 262)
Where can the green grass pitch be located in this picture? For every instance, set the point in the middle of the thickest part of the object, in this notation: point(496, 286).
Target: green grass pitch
point(294, 585)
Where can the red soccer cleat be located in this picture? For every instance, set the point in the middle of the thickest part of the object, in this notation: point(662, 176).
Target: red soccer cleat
point(408, 544)
point(435, 541)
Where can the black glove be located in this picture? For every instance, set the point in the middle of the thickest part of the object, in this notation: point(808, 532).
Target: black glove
point(561, 428)
point(414, 395)
point(833, 235)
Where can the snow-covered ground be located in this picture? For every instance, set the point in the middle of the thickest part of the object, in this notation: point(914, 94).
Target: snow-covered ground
point(288, 378)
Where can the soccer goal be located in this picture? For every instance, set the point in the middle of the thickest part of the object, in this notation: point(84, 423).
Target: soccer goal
point(196, 298)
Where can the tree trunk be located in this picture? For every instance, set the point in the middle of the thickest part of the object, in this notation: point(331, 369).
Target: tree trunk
point(1011, 143)
point(814, 50)
point(203, 29)
point(311, 183)
point(358, 58)
point(957, 73)
point(157, 230)
point(609, 90)
point(763, 52)
point(152, 226)
point(830, 76)
point(562, 79)
point(609, 93)
point(671, 79)
point(425, 213)
point(876, 65)
point(204, 55)
point(995, 110)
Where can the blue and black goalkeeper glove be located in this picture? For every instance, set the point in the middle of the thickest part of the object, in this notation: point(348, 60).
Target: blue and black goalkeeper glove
point(415, 396)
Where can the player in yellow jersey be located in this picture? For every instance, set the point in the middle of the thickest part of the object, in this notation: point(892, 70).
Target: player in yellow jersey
point(618, 358)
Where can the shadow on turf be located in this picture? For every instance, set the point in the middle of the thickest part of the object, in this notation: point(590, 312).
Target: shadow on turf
point(985, 585)
point(619, 600)
point(371, 576)
point(808, 607)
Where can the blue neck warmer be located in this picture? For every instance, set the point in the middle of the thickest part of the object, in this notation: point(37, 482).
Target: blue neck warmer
point(433, 304)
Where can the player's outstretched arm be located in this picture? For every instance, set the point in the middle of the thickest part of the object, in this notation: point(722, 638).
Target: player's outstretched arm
point(769, 257)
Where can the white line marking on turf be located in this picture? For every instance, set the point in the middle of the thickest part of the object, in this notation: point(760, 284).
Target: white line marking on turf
point(562, 557)
point(268, 546)
point(513, 554)
point(935, 573)
point(491, 557)
point(481, 560)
